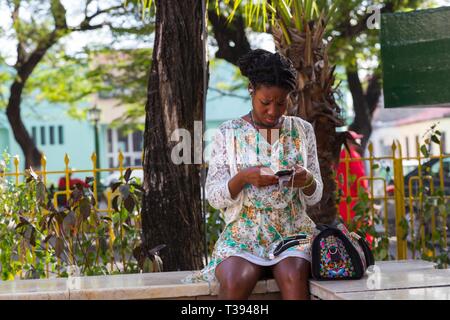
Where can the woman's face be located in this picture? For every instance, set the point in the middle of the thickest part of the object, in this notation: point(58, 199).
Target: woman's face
point(269, 104)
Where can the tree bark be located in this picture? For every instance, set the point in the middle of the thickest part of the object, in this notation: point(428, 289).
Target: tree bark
point(171, 209)
point(31, 152)
point(24, 69)
point(364, 104)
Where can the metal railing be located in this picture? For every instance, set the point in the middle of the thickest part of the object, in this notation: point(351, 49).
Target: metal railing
point(17, 177)
point(400, 200)
point(408, 206)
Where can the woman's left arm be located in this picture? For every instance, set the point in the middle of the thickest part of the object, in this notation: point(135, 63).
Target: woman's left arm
point(312, 194)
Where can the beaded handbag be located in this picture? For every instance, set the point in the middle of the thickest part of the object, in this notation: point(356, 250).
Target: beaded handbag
point(338, 254)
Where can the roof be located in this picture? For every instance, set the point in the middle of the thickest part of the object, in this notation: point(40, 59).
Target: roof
point(400, 116)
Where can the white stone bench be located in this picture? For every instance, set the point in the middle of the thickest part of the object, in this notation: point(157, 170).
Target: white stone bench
point(392, 279)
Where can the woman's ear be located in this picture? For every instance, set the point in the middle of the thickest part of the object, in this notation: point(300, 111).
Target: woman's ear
point(250, 89)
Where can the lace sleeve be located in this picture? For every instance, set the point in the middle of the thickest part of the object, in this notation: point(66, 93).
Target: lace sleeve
point(216, 184)
point(313, 166)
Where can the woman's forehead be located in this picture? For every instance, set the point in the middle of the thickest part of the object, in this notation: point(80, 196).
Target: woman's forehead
point(272, 92)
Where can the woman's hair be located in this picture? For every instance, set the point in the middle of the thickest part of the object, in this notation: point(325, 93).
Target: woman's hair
point(262, 67)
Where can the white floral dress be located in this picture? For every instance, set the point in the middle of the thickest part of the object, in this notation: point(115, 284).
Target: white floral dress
point(266, 215)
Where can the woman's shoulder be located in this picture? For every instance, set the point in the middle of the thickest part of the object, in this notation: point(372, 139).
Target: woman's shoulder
point(305, 125)
point(232, 124)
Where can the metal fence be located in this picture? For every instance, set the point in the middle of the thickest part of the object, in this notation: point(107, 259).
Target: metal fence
point(392, 196)
point(412, 205)
point(103, 195)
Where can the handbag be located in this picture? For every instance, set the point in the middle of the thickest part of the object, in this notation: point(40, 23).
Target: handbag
point(338, 254)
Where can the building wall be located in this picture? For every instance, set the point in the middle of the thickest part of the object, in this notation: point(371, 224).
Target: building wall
point(77, 138)
point(383, 137)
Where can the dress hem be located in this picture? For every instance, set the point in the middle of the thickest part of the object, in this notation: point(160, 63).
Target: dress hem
point(266, 263)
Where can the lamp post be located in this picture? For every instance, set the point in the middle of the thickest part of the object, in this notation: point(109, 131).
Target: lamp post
point(94, 117)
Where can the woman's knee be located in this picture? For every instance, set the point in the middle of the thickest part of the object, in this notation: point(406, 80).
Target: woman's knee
point(293, 270)
point(235, 273)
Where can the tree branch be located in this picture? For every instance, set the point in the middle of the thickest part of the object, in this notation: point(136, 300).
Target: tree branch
point(85, 24)
point(103, 11)
point(227, 33)
point(21, 54)
point(59, 14)
point(373, 94)
point(362, 121)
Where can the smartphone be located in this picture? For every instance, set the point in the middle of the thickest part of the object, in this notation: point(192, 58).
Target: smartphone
point(282, 173)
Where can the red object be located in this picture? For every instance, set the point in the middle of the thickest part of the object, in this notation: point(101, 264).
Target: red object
point(355, 135)
point(356, 169)
point(72, 183)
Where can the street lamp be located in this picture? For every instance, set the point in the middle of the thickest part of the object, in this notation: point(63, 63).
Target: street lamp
point(94, 117)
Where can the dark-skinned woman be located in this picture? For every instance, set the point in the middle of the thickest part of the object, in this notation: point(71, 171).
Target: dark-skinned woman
point(261, 211)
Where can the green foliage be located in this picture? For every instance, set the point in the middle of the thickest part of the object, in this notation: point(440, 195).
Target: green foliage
point(214, 226)
point(123, 75)
point(429, 237)
point(59, 77)
point(37, 238)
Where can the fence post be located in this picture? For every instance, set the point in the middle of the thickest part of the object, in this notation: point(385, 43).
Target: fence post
point(399, 192)
point(442, 208)
point(16, 167)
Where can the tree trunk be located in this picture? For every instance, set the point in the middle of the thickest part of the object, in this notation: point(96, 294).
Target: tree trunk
point(25, 68)
point(364, 105)
point(29, 149)
point(171, 209)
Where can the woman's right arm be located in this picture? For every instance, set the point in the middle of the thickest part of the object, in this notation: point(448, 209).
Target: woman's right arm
point(222, 189)
point(219, 195)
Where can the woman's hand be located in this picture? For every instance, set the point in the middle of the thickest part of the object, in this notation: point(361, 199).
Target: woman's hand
point(260, 176)
point(302, 177)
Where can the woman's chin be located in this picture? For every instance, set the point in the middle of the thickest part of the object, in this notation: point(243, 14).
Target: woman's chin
point(270, 123)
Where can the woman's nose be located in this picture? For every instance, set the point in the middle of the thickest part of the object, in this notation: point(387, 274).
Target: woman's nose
point(272, 111)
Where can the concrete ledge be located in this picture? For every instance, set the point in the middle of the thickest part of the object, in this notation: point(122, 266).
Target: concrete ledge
point(167, 285)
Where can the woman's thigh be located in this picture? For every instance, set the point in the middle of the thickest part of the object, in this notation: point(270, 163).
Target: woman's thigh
point(291, 275)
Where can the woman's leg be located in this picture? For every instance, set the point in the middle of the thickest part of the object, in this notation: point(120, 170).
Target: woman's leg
point(237, 278)
point(291, 275)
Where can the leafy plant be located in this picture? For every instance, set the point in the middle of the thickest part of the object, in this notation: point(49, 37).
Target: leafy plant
point(38, 238)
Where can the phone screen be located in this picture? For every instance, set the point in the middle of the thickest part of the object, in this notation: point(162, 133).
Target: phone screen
point(283, 173)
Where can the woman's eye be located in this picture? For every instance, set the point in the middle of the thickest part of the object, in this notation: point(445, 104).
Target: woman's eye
point(265, 103)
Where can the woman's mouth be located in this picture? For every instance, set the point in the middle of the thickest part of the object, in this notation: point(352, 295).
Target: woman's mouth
point(271, 120)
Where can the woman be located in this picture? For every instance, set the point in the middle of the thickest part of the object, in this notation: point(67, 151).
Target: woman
point(261, 211)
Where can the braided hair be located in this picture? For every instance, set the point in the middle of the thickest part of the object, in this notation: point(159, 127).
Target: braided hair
point(262, 67)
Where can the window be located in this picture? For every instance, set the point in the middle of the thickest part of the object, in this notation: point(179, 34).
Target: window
point(52, 135)
point(110, 141)
point(123, 141)
point(34, 134)
point(60, 135)
point(436, 169)
point(137, 141)
point(43, 136)
point(129, 143)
